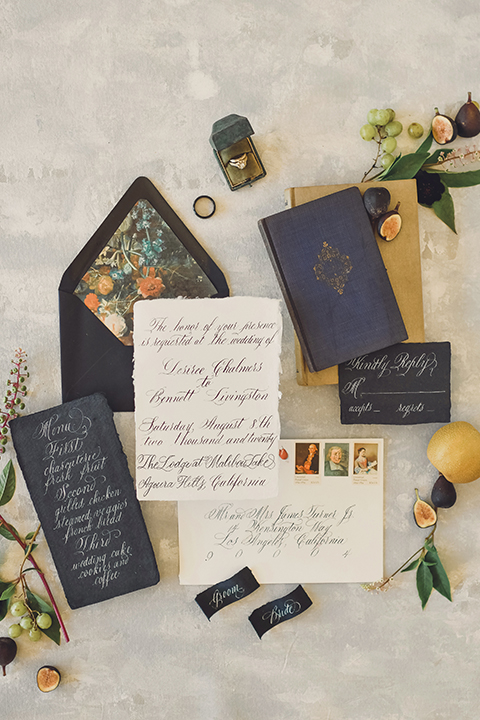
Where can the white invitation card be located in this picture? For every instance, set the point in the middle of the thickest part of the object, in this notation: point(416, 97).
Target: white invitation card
point(206, 375)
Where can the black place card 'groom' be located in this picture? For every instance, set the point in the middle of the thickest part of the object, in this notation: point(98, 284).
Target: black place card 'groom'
point(227, 592)
point(404, 384)
point(78, 478)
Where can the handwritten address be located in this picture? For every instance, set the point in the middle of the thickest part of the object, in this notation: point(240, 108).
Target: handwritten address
point(323, 529)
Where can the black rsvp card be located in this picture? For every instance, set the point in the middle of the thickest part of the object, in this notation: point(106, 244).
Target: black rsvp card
point(404, 384)
point(78, 478)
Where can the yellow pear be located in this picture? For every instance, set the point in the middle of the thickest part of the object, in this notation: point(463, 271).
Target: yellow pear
point(455, 451)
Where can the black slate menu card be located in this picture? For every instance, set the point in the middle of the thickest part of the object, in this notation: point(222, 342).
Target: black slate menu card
point(78, 478)
point(405, 384)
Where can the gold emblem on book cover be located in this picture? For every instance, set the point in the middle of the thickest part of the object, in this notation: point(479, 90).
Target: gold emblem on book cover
point(333, 268)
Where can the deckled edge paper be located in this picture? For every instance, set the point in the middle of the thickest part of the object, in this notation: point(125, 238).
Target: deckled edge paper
point(227, 592)
point(206, 398)
point(278, 611)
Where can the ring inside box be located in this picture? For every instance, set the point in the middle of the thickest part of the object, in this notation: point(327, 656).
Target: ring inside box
point(237, 175)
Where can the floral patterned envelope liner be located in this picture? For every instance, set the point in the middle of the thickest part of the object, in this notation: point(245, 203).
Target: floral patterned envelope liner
point(144, 259)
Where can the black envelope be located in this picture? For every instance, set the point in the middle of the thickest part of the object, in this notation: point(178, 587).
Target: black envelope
point(93, 358)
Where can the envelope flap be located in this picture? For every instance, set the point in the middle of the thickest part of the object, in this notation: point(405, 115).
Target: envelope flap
point(92, 358)
point(142, 189)
point(142, 250)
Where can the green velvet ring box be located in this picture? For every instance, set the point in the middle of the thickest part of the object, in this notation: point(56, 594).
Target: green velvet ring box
point(235, 151)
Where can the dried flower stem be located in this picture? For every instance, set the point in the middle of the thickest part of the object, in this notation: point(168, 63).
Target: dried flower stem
point(430, 536)
point(13, 396)
point(30, 557)
point(453, 158)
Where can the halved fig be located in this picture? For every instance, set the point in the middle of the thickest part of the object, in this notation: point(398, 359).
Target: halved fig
point(390, 224)
point(468, 119)
point(444, 129)
point(423, 513)
point(48, 678)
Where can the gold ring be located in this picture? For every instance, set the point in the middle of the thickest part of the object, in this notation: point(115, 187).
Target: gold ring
point(240, 161)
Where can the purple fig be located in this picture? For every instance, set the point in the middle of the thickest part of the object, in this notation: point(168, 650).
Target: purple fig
point(468, 119)
point(8, 650)
point(376, 201)
point(444, 494)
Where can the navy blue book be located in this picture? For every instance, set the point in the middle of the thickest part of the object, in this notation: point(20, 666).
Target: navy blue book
point(333, 279)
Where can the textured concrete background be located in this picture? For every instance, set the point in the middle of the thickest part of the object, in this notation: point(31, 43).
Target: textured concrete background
point(95, 94)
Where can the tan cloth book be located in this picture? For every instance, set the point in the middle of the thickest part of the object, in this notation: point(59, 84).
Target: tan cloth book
point(401, 258)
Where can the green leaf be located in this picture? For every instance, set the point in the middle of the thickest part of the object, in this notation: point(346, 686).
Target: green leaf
point(7, 483)
point(424, 583)
point(406, 168)
point(412, 565)
point(445, 210)
point(441, 582)
point(426, 144)
point(386, 172)
point(461, 179)
point(4, 603)
point(37, 604)
point(8, 591)
point(6, 533)
point(27, 541)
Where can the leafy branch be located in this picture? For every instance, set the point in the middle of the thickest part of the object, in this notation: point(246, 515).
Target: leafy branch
point(39, 616)
point(431, 574)
point(435, 172)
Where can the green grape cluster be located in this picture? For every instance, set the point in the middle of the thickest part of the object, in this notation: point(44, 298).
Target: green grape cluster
point(32, 622)
point(383, 129)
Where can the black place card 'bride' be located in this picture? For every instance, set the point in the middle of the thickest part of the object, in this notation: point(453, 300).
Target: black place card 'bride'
point(280, 610)
point(78, 478)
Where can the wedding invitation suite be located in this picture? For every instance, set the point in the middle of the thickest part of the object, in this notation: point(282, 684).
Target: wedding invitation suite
point(206, 375)
point(326, 525)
